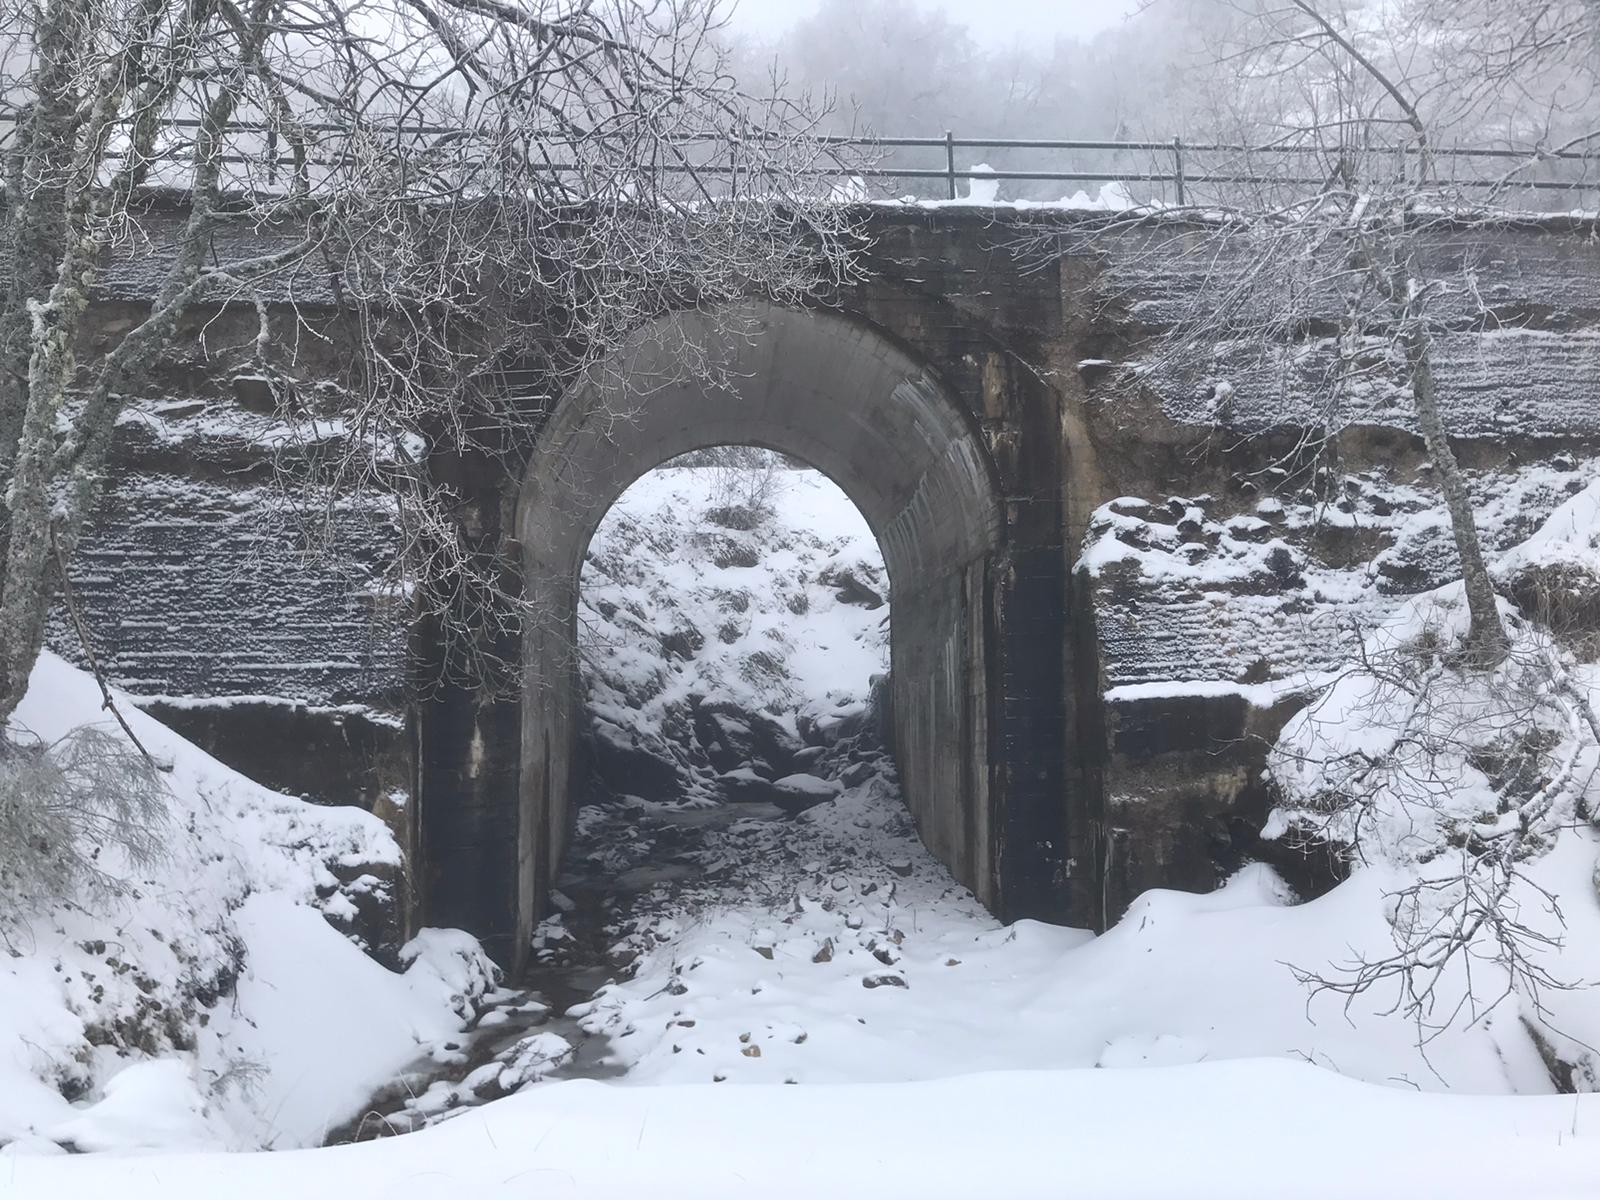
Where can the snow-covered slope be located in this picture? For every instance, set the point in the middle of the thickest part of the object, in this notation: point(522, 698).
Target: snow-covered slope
point(211, 1002)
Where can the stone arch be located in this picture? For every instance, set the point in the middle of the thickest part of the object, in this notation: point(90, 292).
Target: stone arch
point(843, 397)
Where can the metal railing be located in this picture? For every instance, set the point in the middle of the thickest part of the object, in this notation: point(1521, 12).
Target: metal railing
point(1182, 156)
point(1173, 163)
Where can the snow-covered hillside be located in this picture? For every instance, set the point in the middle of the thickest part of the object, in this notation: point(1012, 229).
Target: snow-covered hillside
point(211, 1002)
point(718, 635)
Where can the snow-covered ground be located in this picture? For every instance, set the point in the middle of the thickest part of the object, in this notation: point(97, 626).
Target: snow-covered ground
point(1232, 1130)
point(936, 1052)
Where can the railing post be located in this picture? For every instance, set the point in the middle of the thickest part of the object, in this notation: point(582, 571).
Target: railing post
point(950, 162)
point(1177, 159)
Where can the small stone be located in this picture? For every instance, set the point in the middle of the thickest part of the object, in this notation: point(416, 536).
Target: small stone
point(952, 962)
point(677, 988)
point(901, 867)
point(800, 1038)
point(884, 956)
point(744, 1037)
point(825, 953)
point(751, 1052)
point(764, 951)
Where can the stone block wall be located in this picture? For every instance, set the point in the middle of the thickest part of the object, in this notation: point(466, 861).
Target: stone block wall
point(1174, 570)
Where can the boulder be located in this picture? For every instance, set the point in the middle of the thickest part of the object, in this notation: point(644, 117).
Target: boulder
point(627, 765)
point(798, 792)
point(734, 737)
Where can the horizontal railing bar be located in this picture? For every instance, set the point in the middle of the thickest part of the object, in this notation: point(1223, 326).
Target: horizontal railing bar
point(1019, 176)
point(1166, 147)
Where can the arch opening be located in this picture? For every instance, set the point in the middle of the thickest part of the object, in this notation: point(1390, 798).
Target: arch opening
point(733, 630)
point(838, 395)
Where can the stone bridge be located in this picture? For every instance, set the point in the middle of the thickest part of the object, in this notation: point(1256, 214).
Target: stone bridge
point(1101, 601)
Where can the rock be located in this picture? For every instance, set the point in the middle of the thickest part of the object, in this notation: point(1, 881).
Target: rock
point(745, 786)
point(851, 582)
point(885, 980)
point(740, 517)
point(727, 551)
point(629, 766)
point(683, 642)
point(798, 792)
point(733, 737)
point(824, 953)
point(856, 774)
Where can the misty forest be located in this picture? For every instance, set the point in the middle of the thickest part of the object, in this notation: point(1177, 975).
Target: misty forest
point(692, 598)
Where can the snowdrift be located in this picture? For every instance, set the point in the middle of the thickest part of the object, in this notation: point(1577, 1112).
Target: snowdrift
point(211, 1003)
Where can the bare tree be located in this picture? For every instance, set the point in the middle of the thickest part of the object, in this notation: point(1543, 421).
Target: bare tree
point(499, 189)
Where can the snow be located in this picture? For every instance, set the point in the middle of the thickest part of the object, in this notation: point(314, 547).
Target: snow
point(131, 1004)
point(842, 1018)
point(1191, 588)
point(1112, 196)
point(1570, 535)
point(786, 970)
point(150, 1105)
point(1259, 695)
point(326, 1025)
point(1235, 1130)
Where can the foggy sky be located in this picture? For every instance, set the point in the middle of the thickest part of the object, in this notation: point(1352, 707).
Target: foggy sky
point(991, 21)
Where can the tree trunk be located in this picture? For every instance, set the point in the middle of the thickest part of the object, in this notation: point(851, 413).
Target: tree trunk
point(1487, 634)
